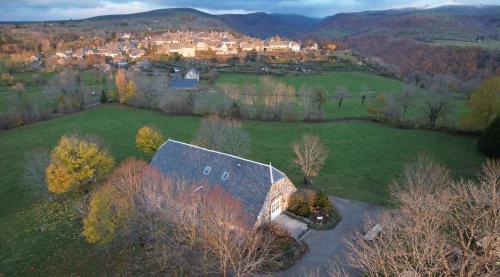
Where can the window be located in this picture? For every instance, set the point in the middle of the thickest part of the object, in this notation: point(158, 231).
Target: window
point(275, 206)
point(225, 176)
point(206, 171)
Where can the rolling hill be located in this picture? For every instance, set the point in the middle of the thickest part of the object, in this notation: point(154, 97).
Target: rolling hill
point(444, 23)
point(264, 25)
point(458, 23)
point(463, 41)
point(157, 20)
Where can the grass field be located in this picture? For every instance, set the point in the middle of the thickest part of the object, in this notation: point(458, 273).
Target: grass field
point(486, 44)
point(354, 82)
point(363, 159)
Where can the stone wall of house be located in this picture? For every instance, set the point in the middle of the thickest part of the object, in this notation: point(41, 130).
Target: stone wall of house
point(283, 188)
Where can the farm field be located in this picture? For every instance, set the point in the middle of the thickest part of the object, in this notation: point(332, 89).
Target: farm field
point(39, 237)
point(354, 82)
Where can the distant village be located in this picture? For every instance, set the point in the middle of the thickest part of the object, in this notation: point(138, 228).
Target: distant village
point(186, 44)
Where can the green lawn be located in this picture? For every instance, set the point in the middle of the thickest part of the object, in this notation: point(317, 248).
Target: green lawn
point(363, 159)
point(353, 81)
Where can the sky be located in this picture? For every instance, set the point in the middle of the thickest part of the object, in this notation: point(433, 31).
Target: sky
point(37, 10)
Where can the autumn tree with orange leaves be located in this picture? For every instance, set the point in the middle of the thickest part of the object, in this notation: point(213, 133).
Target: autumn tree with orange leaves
point(126, 88)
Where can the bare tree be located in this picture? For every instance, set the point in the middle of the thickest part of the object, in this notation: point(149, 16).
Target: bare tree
point(307, 101)
point(36, 163)
point(310, 156)
point(18, 88)
point(275, 95)
point(443, 227)
point(208, 229)
point(175, 102)
point(231, 90)
point(406, 97)
point(340, 94)
point(225, 135)
point(436, 106)
point(365, 93)
point(64, 91)
point(442, 83)
point(392, 110)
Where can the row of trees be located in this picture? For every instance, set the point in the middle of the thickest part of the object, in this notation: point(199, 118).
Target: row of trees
point(437, 104)
point(61, 94)
point(432, 106)
point(269, 100)
point(274, 100)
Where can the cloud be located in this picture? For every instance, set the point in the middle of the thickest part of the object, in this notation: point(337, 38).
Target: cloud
point(44, 11)
point(20, 10)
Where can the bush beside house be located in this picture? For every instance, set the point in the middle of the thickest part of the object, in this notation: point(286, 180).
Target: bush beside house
point(307, 205)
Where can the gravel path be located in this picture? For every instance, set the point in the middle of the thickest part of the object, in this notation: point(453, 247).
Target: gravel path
point(325, 245)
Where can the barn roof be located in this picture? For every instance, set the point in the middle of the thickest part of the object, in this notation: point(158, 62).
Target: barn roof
point(248, 181)
point(184, 84)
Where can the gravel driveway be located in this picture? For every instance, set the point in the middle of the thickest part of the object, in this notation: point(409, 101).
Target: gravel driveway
point(325, 245)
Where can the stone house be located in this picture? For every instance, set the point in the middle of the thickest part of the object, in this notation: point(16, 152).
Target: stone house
point(262, 189)
point(202, 46)
point(187, 50)
point(136, 53)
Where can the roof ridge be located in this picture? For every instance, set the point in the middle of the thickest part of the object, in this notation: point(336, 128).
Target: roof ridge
point(218, 152)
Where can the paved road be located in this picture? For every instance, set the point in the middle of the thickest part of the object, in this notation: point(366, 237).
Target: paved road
point(325, 245)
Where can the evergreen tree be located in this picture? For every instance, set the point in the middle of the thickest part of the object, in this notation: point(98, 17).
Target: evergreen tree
point(489, 143)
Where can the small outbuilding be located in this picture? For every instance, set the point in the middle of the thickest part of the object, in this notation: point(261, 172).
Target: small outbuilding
point(262, 189)
point(193, 74)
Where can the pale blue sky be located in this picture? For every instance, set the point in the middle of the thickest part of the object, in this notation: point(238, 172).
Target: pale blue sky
point(20, 10)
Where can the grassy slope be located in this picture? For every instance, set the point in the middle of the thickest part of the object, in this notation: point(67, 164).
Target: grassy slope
point(363, 158)
point(353, 81)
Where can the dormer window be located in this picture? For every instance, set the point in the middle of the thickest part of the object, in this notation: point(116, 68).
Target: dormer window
point(206, 171)
point(225, 176)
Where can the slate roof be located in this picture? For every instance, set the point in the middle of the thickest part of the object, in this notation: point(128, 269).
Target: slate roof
point(248, 181)
point(184, 84)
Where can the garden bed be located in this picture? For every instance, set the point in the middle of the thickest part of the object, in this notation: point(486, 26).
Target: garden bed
point(308, 206)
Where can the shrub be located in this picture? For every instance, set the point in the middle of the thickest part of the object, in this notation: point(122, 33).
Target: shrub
point(322, 204)
point(104, 97)
point(148, 139)
point(301, 203)
point(489, 142)
point(298, 205)
point(176, 103)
